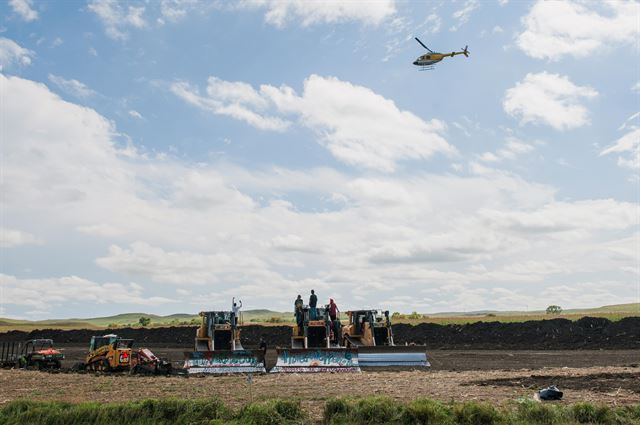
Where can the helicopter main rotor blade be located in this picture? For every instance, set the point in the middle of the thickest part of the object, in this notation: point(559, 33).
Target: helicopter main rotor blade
point(422, 44)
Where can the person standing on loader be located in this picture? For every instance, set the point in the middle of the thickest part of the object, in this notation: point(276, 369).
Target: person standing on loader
point(313, 302)
point(297, 305)
point(335, 323)
point(235, 308)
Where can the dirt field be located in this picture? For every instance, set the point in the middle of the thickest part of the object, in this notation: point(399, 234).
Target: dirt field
point(450, 360)
point(605, 385)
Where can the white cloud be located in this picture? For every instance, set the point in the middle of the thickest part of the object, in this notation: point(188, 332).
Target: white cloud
point(557, 28)
point(628, 146)
point(497, 29)
point(280, 12)
point(135, 114)
point(47, 293)
point(72, 87)
point(463, 14)
point(175, 10)
point(24, 8)
point(12, 237)
point(218, 227)
point(116, 18)
point(433, 24)
point(357, 125)
point(12, 53)
point(636, 87)
point(512, 148)
point(235, 99)
point(551, 99)
point(179, 267)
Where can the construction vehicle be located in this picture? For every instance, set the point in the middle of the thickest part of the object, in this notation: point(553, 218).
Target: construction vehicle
point(35, 353)
point(315, 346)
point(143, 361)
point(371, 333)
point(218, 349)
point(109, 353)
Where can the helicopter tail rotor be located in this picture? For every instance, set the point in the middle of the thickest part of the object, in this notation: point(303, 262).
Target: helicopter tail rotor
point(465, 51)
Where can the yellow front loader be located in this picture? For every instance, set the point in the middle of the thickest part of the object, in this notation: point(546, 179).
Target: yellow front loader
point(218, 349)
point(371, 333)
point(109, 353)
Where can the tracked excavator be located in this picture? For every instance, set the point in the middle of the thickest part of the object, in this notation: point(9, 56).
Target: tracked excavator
point(370, 332)
point(315, 347)
point(218, 349)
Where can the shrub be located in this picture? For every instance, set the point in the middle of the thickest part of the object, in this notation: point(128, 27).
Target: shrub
point(471, 413)
point(376, 410)
point(538, 413)
point(585, 413)
point(426, 412)
point(336, 407)
point(272, 412)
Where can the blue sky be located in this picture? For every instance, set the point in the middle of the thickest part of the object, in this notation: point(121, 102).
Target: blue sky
point(165, 156)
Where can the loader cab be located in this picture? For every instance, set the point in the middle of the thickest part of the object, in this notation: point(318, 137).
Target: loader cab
point(115, 341)
point(369, 327)
point(218, 331)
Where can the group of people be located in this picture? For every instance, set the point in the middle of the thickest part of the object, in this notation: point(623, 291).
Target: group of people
point(332, 309)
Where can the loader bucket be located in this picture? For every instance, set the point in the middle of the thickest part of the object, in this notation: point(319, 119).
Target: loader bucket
point(303, 360)
point(407, 357)
point(223, 362)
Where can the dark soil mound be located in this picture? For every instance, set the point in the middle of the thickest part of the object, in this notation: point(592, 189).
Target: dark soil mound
point(555, 334)
point(586, 333)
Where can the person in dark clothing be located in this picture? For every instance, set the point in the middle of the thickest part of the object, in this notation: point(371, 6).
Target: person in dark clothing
point(313, 302)
point(263, 346)
point(297, 305)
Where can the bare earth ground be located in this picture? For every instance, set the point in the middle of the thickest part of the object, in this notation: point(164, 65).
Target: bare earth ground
point(614, 380)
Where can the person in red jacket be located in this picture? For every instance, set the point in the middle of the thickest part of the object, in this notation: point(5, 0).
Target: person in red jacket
point(335, 323)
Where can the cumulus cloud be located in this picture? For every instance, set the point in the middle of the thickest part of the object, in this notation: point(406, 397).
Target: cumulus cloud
point(24, 8)
point(221, 228)
point(73, 87)
point(550, 99)
point(46, 293)
point(117, 18)
point(357, 125)
point(280, 12)
point(234, 99)
point(12, 237)
point(557, 28)
point(12, 53)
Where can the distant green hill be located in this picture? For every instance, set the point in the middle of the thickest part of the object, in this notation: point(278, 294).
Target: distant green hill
point(248, 316)
point(613, 312)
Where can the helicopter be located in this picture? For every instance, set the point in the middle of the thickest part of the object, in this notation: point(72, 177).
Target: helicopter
point(428, 60)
